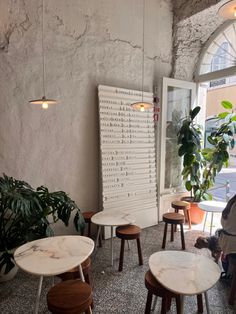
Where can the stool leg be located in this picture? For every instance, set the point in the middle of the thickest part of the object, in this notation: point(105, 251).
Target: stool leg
point(182, 236)
point(172, 233)
point(233, 288)
point(122, 248)
point(189, 219)
point(140, 256)
point(164, 236)
point(89, 229)
point(178, 304)
point(185, 215)
point(164, 305)
point(100, 238)
point(175, 228)
point(199, 303)
point(148, 303)
point(168, 304)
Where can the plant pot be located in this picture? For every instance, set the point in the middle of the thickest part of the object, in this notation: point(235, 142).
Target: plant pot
point(196, 214)
point(11, 273)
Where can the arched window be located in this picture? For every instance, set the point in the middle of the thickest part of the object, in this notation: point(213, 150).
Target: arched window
point(219, 53)
point(220, 60)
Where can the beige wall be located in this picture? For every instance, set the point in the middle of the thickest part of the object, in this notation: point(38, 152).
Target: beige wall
point(215, 96)
point(87, 43)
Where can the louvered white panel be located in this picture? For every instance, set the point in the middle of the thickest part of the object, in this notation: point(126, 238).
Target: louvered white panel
point(127, 143)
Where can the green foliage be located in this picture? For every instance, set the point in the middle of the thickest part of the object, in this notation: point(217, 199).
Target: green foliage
point(201, 165)
point(25, 213)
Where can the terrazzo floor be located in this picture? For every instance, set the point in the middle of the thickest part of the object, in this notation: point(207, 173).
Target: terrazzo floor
point(116, 292)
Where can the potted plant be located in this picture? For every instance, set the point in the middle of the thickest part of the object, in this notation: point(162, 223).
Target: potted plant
point(201, 165)
point(25, 214)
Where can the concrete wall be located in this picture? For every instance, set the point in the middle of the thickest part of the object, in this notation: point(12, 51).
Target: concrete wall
point(195, 22)
point(87, 43)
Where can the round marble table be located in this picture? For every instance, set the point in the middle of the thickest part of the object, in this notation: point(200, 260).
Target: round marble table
point(113, 219)
point(184, 273)
point(52, 256)
point(211, 207)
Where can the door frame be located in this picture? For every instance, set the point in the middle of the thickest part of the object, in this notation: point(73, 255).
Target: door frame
point(165, 194)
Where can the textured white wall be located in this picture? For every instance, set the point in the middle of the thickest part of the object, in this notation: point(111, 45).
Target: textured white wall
point(193, 26)
point(87, 43)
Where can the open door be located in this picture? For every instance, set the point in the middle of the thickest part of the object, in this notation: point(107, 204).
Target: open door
point(177, 99)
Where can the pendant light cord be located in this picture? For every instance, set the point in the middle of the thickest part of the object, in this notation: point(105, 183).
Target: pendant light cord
point(143, 47)
point(44, 93)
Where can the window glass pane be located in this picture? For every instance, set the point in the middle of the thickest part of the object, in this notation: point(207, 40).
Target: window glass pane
point(178, 106)
point(221, 53)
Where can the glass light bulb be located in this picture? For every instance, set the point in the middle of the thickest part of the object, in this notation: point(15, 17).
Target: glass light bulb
point(45, 105)
point(142, 108)
point(234, 12)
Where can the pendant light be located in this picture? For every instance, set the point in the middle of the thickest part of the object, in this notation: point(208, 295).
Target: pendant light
point(44, 101)
point(228, 10)
point(142, 105)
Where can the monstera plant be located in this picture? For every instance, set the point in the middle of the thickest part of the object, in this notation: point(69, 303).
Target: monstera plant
point(201, 165)
point(25, 215)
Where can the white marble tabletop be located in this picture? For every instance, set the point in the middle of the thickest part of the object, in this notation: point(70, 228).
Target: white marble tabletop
point(112, 218)
point(183, 272)
point(212, 206)
point(53, 255)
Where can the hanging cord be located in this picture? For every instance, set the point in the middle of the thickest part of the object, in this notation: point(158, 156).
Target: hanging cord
point(44, 93)
point(143, 47)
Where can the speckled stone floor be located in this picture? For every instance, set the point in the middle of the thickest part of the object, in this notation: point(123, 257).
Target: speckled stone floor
point(116, 292)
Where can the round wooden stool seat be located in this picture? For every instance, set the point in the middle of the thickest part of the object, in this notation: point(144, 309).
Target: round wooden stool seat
point(173, 218)
point(87, 218)
point(185, 207)
point(88, 215)
point(155, 288)
point(69, 297)
point(74, 272)
point(180, 205)
point(129, 232)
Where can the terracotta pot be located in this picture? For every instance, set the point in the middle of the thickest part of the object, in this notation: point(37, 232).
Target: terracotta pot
point(196, 214)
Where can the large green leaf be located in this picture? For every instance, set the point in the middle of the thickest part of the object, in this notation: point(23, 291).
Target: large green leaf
point(188, 159)
point(227, 104)
point(188, 185)
point(223, 115)
point(182, 150)
point(194, 112)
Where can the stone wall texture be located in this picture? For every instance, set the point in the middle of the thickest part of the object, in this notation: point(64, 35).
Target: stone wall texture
point(191, 32)
point(87, 43)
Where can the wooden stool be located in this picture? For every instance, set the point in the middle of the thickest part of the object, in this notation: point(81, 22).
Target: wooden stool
point(173, 219)
point(87, 218)
point(155, 288)
point(74, 272)
point(129, 232)
point(69, 297)
point(185, 207)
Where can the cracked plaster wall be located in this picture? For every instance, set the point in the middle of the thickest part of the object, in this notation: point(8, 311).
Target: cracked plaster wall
point(191, 32)
point(87, 43)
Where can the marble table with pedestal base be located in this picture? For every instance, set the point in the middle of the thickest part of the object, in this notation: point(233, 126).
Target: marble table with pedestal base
point(184, 273)
point(111, 218)
point(52, 256)
point(211, 207)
